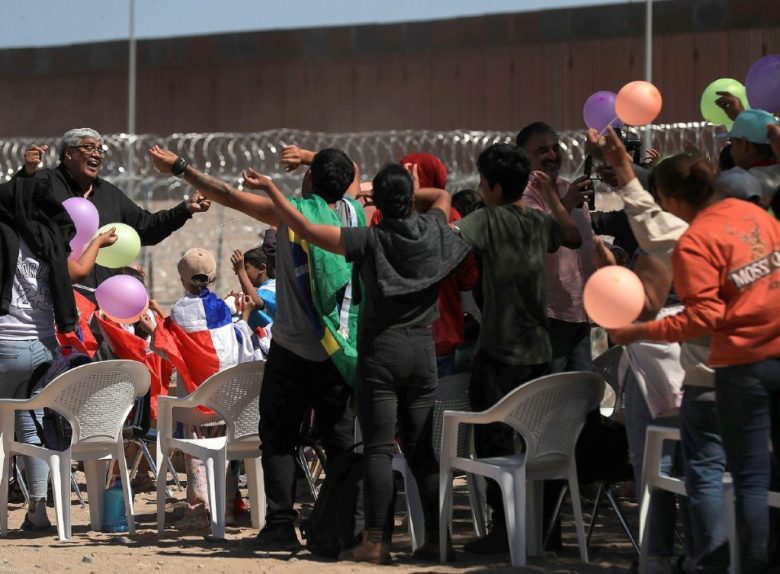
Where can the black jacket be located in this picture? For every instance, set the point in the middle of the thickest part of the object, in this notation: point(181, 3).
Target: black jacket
point(28, 210)
point(114, 206)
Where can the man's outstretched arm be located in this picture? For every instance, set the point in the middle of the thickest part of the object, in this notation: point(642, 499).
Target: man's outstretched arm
point(256, 206)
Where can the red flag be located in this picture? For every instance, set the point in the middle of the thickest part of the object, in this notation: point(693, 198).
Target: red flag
point(82, 338)
point(126, 345)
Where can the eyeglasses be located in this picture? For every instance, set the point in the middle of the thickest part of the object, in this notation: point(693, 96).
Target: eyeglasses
point(89, 149)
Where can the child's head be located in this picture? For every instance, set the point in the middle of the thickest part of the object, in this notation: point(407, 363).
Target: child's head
point(197, 269)
point(394, 191)
point(256, 266)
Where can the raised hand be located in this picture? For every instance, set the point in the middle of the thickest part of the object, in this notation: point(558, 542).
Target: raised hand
point(730, 104)
point(579, 191)
point(33, 158)
point(108, 237)
point(198, 203)
point(237, 260)
point(255, 180)
point(162, 159)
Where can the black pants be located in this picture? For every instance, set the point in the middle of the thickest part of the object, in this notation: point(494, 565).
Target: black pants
point(291, 385)
point(397, 385)
point(570, 345)
point(492, 380)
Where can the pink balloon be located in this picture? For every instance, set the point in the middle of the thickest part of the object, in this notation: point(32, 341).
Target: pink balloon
point(77, 245)
point(122, 298)
point(614, 296)
point(638, 103)
point(84, 215)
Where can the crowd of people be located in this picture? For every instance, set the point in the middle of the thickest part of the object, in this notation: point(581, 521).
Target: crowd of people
point(362, 297)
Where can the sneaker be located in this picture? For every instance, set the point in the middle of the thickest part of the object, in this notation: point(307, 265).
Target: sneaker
point(279, 536)
point(373, 552)
point(36, 518)
point(496, 542)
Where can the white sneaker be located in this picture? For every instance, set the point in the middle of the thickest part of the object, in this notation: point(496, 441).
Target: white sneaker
point(36, 517)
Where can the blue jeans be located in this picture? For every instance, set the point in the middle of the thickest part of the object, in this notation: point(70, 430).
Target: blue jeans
point(747, 398)
point(662, 512)
point(18, 359)
point(704, 463)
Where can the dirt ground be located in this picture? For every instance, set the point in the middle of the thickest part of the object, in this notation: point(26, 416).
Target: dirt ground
point(191, 551)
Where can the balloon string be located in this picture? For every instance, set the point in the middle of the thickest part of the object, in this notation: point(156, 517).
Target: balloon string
point(232, 221)
point(604, 129)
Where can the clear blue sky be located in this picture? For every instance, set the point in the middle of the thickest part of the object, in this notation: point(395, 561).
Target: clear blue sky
point(61, 22)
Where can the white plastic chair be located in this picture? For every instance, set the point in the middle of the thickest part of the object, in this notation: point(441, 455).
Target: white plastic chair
point(95, 399)
point(452, 393)
point(548, 413)
point(652, 480)
point(233, 395)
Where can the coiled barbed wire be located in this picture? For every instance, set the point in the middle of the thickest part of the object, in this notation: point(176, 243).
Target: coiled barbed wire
point(225, 155)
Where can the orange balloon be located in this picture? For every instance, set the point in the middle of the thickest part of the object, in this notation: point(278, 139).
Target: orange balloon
point(638, 103)
point(614, 297)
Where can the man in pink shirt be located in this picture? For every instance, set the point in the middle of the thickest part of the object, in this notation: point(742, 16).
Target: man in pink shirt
point(567, 269)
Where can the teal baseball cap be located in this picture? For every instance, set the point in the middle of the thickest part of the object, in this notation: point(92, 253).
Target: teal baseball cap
point(750, 125)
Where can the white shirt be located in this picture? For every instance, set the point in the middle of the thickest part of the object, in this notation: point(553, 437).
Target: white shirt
point(31, 314)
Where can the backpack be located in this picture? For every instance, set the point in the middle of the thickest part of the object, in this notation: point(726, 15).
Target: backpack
point(336, 521)
point(54, 430)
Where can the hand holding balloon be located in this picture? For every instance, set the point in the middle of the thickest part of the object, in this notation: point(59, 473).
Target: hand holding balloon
point(614, 297)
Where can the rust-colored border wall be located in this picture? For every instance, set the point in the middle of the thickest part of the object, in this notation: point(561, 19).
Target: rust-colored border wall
point(493, 72)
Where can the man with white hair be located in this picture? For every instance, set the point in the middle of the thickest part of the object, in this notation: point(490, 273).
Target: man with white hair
point(78, 175)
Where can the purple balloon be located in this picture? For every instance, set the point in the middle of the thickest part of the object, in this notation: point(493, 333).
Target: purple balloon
point(599, 111)
point(84, 215)
point(122, 297)
point(763, 84)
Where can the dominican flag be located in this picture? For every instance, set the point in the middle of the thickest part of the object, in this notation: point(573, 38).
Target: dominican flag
point(200, 339)
point(127, 345)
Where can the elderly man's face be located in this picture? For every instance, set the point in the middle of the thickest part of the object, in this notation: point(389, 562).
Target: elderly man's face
point(544, 153)
point(85, 159)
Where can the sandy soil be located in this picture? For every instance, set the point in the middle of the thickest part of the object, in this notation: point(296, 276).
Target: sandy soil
point(191, 551)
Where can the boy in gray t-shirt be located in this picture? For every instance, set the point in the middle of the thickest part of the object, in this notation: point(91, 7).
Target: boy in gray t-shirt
point(512, 241)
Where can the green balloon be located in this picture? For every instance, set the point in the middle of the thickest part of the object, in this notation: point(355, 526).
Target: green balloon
point(124, 251)
point(710, 111)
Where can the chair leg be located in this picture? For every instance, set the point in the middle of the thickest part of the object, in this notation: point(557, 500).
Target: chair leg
point(144, 451)
point(5, 459)
point(534, 517)
point(513, 492)
point(413, 507)
point(59, 464)
point(215, 473)
point(173, 472)
point(445, 509)
point(595, 512)
point(731, 528)
point(615, 503)
point(126, 488)
point(576, 502)
point(96, 480)
point(302, 462)
point(161, 491)
point(21, 482)
point(556, 516)
point(75, 486)
point(477, 501)
point(256, 488)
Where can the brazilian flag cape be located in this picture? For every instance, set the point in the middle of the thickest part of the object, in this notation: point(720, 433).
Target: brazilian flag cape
point(326, 282)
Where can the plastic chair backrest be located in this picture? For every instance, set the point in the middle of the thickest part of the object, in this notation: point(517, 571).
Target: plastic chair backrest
point(234, 394)
point(452, 394)
point(96, 398)
point(549, 412)
point(607, 365)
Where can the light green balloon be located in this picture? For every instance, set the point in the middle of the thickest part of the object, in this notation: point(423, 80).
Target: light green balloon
point(124, 251)
point(710, 111)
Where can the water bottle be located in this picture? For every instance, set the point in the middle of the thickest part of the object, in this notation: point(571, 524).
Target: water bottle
point(114, 518)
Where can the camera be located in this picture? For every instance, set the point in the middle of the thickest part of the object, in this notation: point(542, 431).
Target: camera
point(587, 170)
